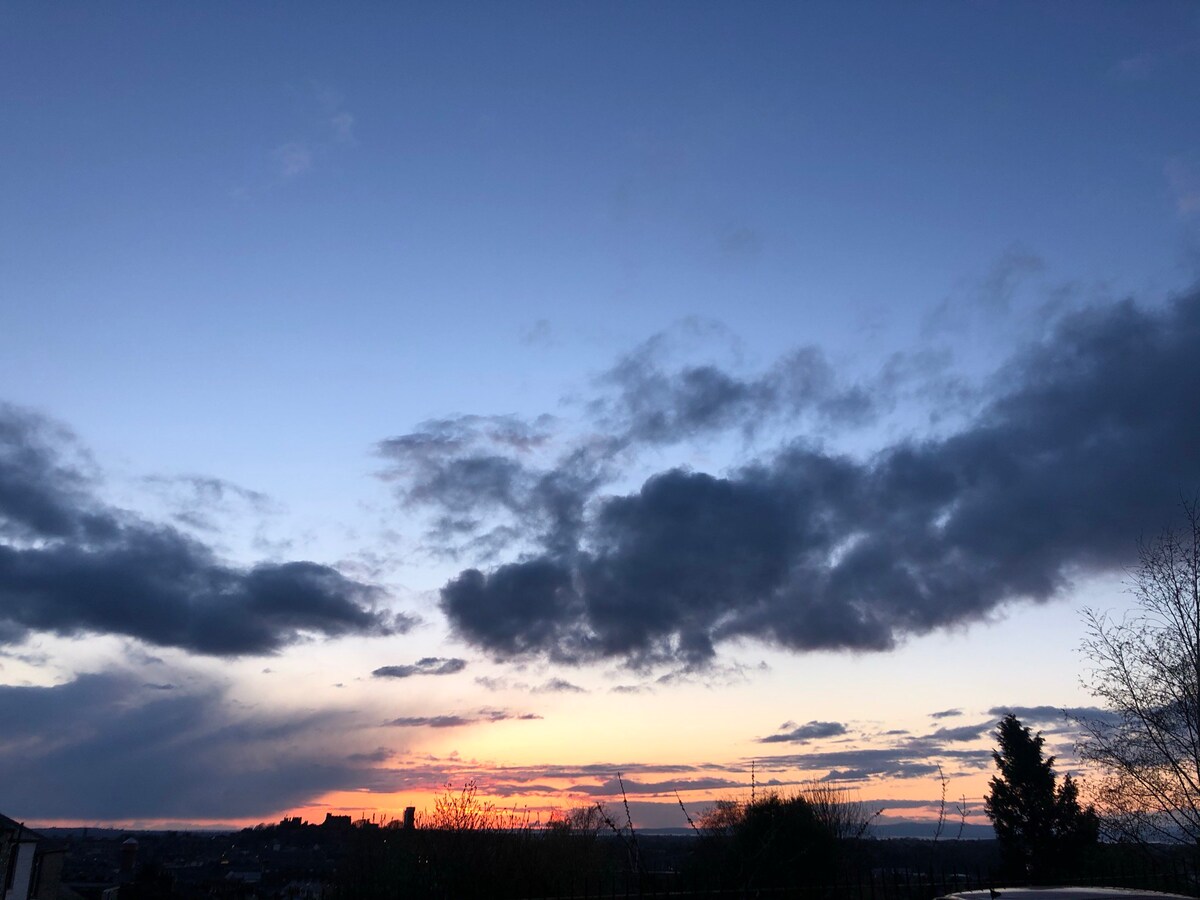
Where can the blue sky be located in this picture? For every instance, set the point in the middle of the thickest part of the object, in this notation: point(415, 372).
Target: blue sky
point(243, 246)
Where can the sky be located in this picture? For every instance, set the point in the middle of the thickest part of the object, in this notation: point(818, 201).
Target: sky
point(727, 396)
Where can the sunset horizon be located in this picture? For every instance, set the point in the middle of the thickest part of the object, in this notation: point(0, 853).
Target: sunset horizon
point(622, 403)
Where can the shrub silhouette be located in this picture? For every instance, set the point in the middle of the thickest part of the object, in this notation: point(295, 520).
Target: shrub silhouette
point(770, 842)
point(468, 848)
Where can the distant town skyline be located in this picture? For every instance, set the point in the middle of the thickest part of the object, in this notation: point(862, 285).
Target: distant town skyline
point(529, 394)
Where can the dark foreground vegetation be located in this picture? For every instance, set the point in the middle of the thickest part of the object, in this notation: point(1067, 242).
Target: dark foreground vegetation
point(882, 870)
point(771, 847)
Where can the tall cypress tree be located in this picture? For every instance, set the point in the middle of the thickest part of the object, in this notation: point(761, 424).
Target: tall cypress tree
point(1040, 825)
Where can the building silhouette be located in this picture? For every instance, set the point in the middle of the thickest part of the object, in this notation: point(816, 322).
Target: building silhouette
point(30, 865)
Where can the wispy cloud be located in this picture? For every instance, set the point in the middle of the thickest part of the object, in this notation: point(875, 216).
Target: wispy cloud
point(1183, 179)
point(456, 720)
point(330, 126)
point(293, 158)
point(429, 665)
point(558, 686)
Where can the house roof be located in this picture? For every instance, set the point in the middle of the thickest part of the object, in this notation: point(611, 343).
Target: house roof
point(26, 834)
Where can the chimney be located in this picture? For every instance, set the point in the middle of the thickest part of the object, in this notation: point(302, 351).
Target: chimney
point(129, 850)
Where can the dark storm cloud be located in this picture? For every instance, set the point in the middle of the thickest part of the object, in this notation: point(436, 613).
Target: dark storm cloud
point(429, 665)
point(69, 564)
point(804, 733)
point(496, 482)
point(44, 485)
point(1085, 443)
point(105, 746)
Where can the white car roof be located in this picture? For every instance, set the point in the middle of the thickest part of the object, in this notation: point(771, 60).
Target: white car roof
point(1062, 893)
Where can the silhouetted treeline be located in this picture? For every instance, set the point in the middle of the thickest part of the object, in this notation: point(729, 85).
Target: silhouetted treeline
point(773, 847)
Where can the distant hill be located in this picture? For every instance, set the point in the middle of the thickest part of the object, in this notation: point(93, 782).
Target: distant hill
point(919, 829)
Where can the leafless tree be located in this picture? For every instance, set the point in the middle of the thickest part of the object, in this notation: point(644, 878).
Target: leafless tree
point(1146, 674)
point(463, 811)
point(836, 808)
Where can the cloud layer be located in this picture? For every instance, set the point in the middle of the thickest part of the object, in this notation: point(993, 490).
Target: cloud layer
point(1083, 444)
point(70, 564)
point(106, 746)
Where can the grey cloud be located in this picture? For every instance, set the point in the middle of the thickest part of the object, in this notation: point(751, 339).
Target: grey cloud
point(500, 789)
point(945, 714)
point(558, 686)
point(429, 665)
point(997, 289)
point(209, 490)
point(71, 565)
point(1055, 716)
point(105, 746)
point(962, 732)
point(194, 499)
point(378, 755)
point(443, 721)
point(490, 482)
point(431, 772)
point(803, 733)
point(466, 468)
point(909, 759)
point(739, 242)
point(991, 296)
point(454, 720)
point(614, 788)
point(900, 770)
point(540, 333)
point(43, 486)
point(654, 406)
point(600, 770)
point(1081, 449)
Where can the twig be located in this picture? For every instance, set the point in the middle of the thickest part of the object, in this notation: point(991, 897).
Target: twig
point(685, 813)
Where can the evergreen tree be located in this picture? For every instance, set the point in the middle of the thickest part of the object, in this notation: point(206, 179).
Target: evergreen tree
point(1040, 825)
